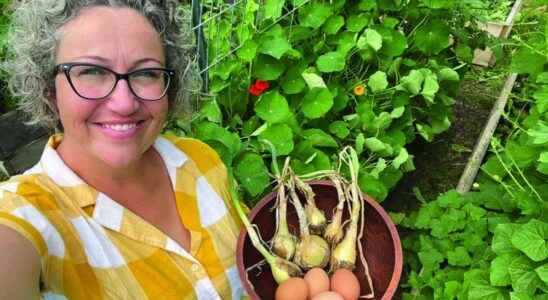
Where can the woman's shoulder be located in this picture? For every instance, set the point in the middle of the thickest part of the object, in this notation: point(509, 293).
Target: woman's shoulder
point(203, 155)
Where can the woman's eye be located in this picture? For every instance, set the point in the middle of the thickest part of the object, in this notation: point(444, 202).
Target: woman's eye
point(91, 71)
point(151, 74)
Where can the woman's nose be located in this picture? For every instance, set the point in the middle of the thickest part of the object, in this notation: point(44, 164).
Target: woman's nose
point(122, 100)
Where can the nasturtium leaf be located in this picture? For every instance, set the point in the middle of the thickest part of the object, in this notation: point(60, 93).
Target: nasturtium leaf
point(225, 68)
point(331, 62)
point(430, 87)
point(274, 43)
point(374, 144)
point(397, 112)
point(432, 37)
point(252, 173)
point(394, 42)
point(318, 137)
point(390, 22)
point(273, 9)
point(372, 187)
point(272, 107)
point(250, 125)
point(299, 33)
point(377, 82)
point(523, 275)
point(281, 136)
point(339, 129)
point(293, 82)
point(541, 95)
point(333, 24)
point(425, 131)
point(531, 239)
point(539, 133)
point(459, 257)
point(267, 68)
point(412, 82)
point(355, 23)
point(248, 51)
point(314, 14)
point(341, 99)
point(448, 74)
point(402, 157)
point(274, 46)
point(499, 275)
point(346, 41)
point(208, 131)
point(211, 111)
point(313, 80)
point(542, 272)
point(370, 38)
point(316, 103)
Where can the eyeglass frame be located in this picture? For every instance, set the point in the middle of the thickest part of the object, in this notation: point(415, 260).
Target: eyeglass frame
point(66, 67)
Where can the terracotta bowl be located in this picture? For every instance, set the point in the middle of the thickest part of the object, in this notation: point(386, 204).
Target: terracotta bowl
point(381, 244)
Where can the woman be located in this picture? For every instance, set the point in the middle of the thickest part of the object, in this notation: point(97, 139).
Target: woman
point(113, 210)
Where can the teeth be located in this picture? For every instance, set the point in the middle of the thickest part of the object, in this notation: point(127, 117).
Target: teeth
point(120, 127)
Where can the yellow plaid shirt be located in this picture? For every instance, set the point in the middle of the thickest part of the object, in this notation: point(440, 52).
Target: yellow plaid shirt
point(93, 248)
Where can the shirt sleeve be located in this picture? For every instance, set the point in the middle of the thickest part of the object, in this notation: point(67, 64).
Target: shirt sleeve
point(21, 216)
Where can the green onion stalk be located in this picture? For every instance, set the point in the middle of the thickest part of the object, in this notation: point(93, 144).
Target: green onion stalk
point(344, 254)
point(282, 269)
point(283, 242)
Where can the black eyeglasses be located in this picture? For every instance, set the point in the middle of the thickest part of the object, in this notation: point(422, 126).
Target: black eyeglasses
point(95, 82)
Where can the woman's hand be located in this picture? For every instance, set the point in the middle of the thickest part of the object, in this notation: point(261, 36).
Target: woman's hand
point(19, 267)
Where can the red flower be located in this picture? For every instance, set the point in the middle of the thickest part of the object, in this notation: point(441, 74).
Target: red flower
point(253, 90)
point(258, 87)
point(262, 84)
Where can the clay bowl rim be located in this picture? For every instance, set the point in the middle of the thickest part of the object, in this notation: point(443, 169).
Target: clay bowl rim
point(396, 243)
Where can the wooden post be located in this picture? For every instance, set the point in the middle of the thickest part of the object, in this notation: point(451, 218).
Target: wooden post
point(474, 162)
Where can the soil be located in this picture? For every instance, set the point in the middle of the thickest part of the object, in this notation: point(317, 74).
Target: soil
point(440, 164)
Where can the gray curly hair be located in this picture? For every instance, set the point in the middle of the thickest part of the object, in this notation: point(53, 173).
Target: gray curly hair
point(33, 37)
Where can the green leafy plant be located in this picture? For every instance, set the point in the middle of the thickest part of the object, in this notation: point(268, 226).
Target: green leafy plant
point(404, 55)
point(492, 243)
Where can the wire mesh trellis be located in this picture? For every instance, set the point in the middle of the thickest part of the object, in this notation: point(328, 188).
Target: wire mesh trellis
point(217, 18)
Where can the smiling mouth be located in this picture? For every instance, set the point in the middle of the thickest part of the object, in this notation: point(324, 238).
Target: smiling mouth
point(121, 127)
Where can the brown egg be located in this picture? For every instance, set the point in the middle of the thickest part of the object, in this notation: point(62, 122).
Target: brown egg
point(329, 295)
point(317, 280)
point(345, 283)
point(295, 288)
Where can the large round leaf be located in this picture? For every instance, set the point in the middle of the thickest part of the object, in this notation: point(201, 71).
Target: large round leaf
point(370, 38)
point(377, 81)
point(314, 14)
point(272, 107)
point(281, 136)
point(293, 82)
point(268, 68)
point(316, 103)
point(432, 38)
point(333, 24)
point(318, 137)
point(252, 174)
point(394, 42)
point(331, 62)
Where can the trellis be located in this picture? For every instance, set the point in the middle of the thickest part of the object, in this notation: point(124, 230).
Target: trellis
point(215, 11)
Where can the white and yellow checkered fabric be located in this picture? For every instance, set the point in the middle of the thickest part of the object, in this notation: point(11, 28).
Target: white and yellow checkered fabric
point(93, 248)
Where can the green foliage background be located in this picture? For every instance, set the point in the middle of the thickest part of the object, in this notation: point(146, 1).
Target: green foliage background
point(408, 55)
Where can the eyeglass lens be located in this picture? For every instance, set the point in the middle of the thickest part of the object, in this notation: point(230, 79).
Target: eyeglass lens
point(96, 82)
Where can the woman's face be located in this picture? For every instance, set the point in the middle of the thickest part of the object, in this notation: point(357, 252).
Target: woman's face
point(118, 129)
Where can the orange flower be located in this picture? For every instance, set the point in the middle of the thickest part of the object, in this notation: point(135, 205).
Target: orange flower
point(359, 90)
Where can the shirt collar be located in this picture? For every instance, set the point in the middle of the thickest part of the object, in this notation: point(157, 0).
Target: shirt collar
point(55, 168)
